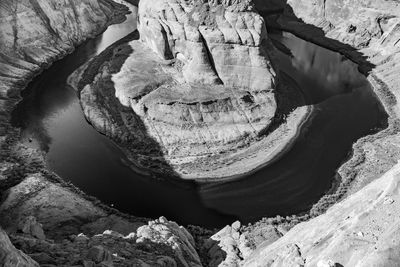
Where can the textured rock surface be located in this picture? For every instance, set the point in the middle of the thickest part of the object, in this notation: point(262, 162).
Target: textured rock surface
point(196, 95)
point(10, 256)
point(216, 41)
point(362, 230)
point(35, 33)
point(36, 202)
point(159, 243)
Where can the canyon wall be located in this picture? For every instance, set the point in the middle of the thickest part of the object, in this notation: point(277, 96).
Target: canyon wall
point(33, 34)
point(41, 214)
point(362, 229)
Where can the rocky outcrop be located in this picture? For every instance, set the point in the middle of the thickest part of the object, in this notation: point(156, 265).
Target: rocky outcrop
point(159, 243)
point(359, 231)
point(197, 94)
point(55, 225)
point(10, 256)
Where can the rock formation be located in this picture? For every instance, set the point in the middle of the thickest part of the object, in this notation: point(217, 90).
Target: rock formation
point(196, 95)
point(159, 243)
point(10, 256)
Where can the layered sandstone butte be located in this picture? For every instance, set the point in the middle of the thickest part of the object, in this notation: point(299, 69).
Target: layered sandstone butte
point(216, 41)
point(197, 93)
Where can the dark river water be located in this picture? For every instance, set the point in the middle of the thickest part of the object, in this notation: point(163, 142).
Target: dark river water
point(345, 110)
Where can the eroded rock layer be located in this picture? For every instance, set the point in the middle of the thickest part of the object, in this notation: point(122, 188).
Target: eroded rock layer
point(216, 41)
point(200, 88)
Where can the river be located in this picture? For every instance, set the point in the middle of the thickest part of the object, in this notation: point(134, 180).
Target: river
point(345, 109)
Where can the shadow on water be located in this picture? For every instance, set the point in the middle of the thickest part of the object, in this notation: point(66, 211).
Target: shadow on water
point(344, 110)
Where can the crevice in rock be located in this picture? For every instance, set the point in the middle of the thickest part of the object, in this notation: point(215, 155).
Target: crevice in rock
point(210, 57)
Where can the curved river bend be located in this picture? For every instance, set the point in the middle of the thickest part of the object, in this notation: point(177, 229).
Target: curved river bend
point(345, 109)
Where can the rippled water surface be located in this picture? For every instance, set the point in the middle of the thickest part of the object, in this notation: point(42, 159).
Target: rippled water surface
point(345, 110)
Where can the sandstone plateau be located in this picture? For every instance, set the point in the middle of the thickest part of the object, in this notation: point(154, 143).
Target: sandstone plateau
point(198, 97)
point(49, 222)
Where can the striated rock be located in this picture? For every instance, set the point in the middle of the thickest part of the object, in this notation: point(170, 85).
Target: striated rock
point(35, 33)
point(10, 256)
point(216, 41)
point(32, 227)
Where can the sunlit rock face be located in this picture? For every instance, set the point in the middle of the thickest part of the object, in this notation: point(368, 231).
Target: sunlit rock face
point(216, 41)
